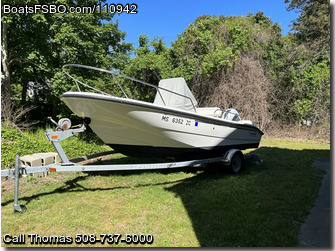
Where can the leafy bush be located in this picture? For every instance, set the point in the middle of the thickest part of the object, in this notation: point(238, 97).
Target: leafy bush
point(13, 141)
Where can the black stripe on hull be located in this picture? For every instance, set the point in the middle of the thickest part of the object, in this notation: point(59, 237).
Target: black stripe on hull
point(180, 153)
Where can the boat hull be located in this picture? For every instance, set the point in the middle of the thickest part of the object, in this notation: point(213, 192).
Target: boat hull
point(137, 128)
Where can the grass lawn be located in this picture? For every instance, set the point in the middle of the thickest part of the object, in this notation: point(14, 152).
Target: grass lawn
point(263, 206)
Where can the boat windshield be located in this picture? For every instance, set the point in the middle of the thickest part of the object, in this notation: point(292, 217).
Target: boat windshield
point(166, 95)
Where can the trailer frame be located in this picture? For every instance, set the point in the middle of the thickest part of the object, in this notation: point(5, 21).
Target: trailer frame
point(64, 131)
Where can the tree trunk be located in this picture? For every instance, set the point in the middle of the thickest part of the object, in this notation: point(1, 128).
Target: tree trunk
point(24, 93)
point(5, 83)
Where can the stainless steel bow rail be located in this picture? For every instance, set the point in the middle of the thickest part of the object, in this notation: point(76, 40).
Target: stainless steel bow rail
point(115, 77)
point(64, 131)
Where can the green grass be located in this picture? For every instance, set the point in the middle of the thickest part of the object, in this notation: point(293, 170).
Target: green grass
point(264, 206)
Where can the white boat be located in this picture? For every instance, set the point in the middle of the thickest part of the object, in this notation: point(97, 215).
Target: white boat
point(171, 126)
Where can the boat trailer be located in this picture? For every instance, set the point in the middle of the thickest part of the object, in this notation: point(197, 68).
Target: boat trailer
point(232, 158)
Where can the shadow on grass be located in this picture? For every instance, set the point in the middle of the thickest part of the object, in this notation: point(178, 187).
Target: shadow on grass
point(262, 206)
point(73, 186)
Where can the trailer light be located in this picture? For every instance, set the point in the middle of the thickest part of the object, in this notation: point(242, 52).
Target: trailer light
point(54, 136)
point(52, 169)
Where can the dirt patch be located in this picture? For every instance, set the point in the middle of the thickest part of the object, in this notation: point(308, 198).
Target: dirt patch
point(7, 185)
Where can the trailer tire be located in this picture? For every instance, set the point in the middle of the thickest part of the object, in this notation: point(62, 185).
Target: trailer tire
point(237, 163)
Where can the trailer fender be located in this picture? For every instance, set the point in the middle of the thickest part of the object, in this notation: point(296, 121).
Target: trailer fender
point(234, 160)
point(229, 155)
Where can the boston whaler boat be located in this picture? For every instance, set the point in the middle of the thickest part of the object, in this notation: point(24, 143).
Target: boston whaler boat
point(171, 126)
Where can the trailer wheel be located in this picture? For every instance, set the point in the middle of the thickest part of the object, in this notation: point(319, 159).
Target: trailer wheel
point(237, 162)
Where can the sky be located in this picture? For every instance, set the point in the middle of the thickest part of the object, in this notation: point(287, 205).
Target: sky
point(168, 18)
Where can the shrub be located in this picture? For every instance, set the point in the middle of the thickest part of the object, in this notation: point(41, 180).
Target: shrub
point(14, 141)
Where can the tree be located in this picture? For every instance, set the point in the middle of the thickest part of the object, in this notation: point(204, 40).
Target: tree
point(23, 41)
point(5, 75)
point(226, 60)
point(151, 64)
point(36, 46)
point(313, 24)
point(88, 39)
point(310, 73)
